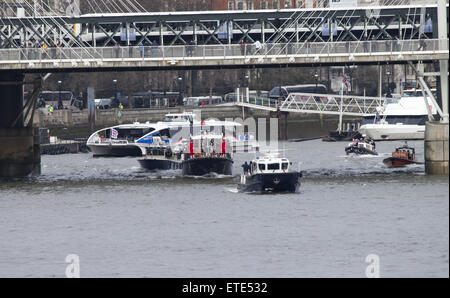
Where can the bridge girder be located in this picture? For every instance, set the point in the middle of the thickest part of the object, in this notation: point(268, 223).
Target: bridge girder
point(205, 27)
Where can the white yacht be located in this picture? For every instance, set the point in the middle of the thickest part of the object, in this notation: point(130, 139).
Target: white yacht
point(400, 118)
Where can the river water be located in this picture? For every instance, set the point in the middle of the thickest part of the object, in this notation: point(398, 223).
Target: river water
point(125, 222)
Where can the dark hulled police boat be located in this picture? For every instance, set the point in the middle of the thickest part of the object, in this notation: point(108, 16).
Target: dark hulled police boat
point(269, 173)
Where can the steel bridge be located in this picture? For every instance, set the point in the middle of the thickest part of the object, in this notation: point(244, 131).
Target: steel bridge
point(222, 27)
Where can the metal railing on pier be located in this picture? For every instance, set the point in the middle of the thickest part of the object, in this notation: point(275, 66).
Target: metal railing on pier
point(312, 103)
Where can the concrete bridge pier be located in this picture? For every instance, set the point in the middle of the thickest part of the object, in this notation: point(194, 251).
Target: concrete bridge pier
point(436, 148)
point(19, 145)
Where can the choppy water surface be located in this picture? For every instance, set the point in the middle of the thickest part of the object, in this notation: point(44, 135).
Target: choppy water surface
point(126, 222)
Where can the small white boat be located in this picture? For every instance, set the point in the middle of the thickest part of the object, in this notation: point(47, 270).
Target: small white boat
point(361, 147)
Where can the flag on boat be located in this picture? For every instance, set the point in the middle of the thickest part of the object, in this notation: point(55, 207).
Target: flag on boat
point(346, 83)
point(114, 133)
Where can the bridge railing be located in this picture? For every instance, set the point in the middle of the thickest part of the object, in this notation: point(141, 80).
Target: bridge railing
point(331, 104)
point(181, 52)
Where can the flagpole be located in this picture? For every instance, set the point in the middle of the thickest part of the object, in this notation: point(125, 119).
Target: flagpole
point(342, 100)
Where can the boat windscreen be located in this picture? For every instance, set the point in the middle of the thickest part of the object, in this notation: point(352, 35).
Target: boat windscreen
point(273, 166)
point(133, 133)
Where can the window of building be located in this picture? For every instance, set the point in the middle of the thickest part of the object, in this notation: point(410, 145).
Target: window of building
point(287, 4)
point(240, 6)
point(300, 4)
point(250, 5)
point(275, 4)
point(263, 5)
point(230, 5)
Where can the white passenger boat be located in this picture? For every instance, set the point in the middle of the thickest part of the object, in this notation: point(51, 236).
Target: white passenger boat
point(131, 139)
point(120, 140)
point(399, 119)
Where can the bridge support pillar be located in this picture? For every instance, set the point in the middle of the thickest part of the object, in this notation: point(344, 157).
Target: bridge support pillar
point(20, 147)
point(436, 148)
point(11, 91)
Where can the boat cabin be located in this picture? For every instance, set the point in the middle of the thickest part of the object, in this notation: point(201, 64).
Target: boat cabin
point(404, 153)
point(180, 117)
point(128, 133)
point(366, 145)
point(270, 164)
point(207, 145)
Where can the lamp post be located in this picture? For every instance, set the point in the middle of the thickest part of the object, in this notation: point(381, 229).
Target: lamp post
point(388, 94)
point(60, 104)
point(246, 87)
point(115, 93)
point(316, 77)
point(180, 95)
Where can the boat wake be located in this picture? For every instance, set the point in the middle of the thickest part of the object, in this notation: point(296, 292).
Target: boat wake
point(210, 176)
point(353, 172)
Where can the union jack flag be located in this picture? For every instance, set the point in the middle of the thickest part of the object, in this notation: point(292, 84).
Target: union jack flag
point(344, 79)
point(114, 133)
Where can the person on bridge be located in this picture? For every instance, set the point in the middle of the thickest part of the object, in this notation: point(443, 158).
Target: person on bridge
point(50, 109)
point(155, 46)
point(257, 46)
point(374, 43)
point(242, 46)
point(269, 46)
point(117, 49)
point(44, 50)
point(141, 49)
point(422, 44)
point(365, 42)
